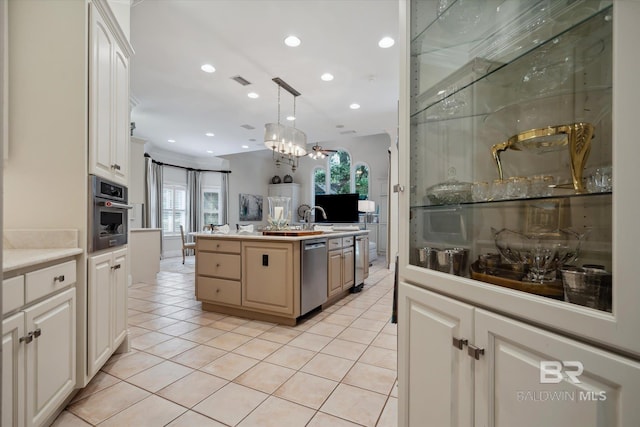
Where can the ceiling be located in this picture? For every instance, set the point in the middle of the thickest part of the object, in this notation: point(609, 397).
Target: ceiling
point(173, 99)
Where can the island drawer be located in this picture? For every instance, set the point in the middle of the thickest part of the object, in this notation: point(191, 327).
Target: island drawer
point(215, 245)
point(347, 241)
point(219, 290)
point(12, 294)
point(226, 266)
point(335, 243)
point(42, 282)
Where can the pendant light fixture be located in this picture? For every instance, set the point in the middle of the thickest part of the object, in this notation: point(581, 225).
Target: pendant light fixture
point(286, 142)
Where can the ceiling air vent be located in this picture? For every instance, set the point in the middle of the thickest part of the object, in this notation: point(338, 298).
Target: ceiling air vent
point(241, 80)
point(346, 132)
point(248, 127)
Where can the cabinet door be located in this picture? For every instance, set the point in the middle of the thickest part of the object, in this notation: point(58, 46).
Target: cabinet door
point(348, 268)
point(51, 356)
point(334, 273)
point(366, 257)
point(121, 125)
point(13, 371)
point(531, 377)
point(119, 295)
point(434, 376)
point(267, 277)
point(99, 309)
point(100, 96)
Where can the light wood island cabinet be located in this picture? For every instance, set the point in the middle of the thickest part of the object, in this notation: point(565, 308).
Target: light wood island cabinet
point(341, 265)
point(259, 276)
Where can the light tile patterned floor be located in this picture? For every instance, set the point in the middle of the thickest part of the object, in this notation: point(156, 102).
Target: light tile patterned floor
point(189, 367)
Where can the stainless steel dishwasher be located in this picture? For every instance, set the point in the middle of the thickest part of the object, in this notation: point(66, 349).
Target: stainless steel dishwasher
point(313, 286)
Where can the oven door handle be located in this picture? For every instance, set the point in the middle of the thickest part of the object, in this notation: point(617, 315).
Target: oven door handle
point(115, 205)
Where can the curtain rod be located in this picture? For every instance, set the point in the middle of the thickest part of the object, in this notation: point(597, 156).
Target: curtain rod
point(184, 167)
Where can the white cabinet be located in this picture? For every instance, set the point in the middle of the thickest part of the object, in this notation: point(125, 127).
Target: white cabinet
point(109, 101)
point(290, 190)
point(107, 306)
point(465, 366)
point(39, 360)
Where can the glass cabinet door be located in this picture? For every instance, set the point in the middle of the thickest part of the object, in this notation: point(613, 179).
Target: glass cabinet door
point(510, 144)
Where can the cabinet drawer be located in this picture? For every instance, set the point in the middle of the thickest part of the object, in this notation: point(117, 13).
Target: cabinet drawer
point(219, 290)
point(12, 294)
point(43, 282)
point(335, 243)
point(215, 245)
point(347, 241)
point(226, 266)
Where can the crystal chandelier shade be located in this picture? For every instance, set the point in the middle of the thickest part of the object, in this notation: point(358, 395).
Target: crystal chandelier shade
point(286, 143)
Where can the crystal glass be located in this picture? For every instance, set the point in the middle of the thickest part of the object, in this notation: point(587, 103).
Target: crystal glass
point(542, 252)
point(279, 212)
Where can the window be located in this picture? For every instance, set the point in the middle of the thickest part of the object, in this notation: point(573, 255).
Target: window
point(319, 180)
point(362, 181)
point(174, 206)
point(211, 206)
point(340, 172)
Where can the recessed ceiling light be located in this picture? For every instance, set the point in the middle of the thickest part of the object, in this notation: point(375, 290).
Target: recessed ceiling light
point(210, 134)
point(386, 42)
point(252, 139)
point(208, 68)
point(354, 106)
point(292, 41)
point(245, 146)
point(253, 95)
point(291, 118)
point(171, 140)
point(210, 151)
point(327, 77)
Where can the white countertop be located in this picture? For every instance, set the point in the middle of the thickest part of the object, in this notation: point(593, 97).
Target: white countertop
point(13, 259)
point(259, 236)
point(29, 247)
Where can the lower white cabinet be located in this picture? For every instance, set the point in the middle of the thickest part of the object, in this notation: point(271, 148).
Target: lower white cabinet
point(460, 365)
point(38, 360)
point(106, 306)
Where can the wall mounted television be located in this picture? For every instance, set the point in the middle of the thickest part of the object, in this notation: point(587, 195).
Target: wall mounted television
point(339, 207)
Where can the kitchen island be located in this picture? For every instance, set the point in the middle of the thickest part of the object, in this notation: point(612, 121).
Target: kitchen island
point(261, 276)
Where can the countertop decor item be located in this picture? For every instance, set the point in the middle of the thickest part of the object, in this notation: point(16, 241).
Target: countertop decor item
point(279, 213)
point(286, 143)
point(276, 180)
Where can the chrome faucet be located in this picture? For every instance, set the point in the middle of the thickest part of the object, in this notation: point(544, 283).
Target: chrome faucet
point(307, 216)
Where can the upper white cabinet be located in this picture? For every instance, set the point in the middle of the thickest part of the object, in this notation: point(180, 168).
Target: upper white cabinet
point(109, 101)
point(515, 157)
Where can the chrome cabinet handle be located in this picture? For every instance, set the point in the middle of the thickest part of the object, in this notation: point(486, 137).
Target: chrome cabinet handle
point(27, 339)
point(459, 343)
point(115, 267)
point(115, 166)
point(37, 333)
point(474, 351)
point(59, 278)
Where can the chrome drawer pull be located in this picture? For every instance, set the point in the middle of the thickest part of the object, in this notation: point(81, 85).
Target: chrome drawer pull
point(59, 278)
point(115, 267)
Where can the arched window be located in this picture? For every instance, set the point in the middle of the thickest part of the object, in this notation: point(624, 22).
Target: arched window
point(340, 172)
point(361, 180)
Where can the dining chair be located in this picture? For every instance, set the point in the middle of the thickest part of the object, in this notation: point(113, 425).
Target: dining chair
point(186, 246)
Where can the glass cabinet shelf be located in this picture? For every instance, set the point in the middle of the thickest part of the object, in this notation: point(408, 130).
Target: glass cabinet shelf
point(510, 141)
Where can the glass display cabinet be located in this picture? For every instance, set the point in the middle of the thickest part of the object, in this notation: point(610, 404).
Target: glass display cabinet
point(518, 231)
point(510, 144)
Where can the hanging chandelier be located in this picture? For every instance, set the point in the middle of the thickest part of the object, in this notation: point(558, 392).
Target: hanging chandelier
point(286, 143)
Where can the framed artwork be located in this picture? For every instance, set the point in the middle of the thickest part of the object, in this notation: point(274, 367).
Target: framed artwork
point(250, 207)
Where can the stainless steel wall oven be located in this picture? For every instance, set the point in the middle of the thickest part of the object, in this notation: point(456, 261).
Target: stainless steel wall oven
point(108, 214)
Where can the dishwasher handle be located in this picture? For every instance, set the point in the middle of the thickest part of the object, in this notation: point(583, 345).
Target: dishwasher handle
point(317, 245)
